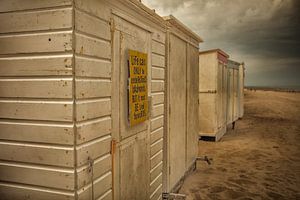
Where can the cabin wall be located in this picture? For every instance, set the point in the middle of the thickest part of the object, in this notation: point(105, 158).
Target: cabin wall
point(36, 100)
point(221, 100)
point(62, 101)
point(230, 97)
point(177, 109)
point(236, 94)
point(104, 30)
point(93, 91)
point(192, 104)
point(207, 93)
point(212, 94)
point(182, 106)
point(224, 95)
point(241, 90)
point(157, 126)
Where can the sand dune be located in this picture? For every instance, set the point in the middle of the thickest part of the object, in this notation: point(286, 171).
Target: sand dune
point(260, 159)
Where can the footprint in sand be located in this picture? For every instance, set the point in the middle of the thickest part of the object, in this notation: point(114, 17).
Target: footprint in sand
point(197, 196)
point(204, 187)
point(194, 190)
point(274, 195)
point(243, 176)
point(232, 194)
point(222, 169)
point(241, 181)
point(217, 189)
point(271, 180)
point(214, 196)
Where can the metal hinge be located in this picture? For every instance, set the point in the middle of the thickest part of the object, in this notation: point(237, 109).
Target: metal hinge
point(112, 25)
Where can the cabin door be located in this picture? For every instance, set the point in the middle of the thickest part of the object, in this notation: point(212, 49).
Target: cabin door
point(131, 157)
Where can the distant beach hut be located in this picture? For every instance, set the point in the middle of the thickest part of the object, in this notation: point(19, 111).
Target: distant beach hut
point(212, 93)
point(235, 98)
point(241, 89)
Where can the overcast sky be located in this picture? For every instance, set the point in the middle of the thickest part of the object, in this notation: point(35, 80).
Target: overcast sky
point(262, 33)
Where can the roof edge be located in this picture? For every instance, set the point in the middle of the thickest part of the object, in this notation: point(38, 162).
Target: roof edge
point(149, 11)
point(215, 50)
point(174, 21)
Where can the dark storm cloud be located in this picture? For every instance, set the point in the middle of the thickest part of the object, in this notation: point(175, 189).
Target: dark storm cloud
point(263, 33)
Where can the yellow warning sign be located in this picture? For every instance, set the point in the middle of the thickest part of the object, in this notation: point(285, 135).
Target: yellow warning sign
point(138, 90)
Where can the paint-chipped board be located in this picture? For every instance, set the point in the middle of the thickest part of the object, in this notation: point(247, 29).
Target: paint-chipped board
point(157, 86)
point(157, 73)
point(37, 153)
point(37, 110)
point(158, 48)
point(96, 8)
point(156, 171)
point(101, 186)
point(90, 109)
point(157, 110)
point(91, 88)
point(158, 98)
point(90, 67)
point(92, 129)
point(16, 5)
point(159, 36)
point(158, 60)
point(36, 43)
point(156, 123)
point(93, 150)
point(37, 175)
point(90, 46)
point(53, 133)
point(36, 87)
point(9, 191)
point(100, 167)
point(36, 20)
point(156, 147)
point(92, 25)
point(156, 135)
point(54, 65)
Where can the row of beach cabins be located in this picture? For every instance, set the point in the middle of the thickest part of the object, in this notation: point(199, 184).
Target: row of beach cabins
point(65, 100)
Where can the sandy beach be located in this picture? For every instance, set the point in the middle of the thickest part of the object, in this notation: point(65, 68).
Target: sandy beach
point(260, 159)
